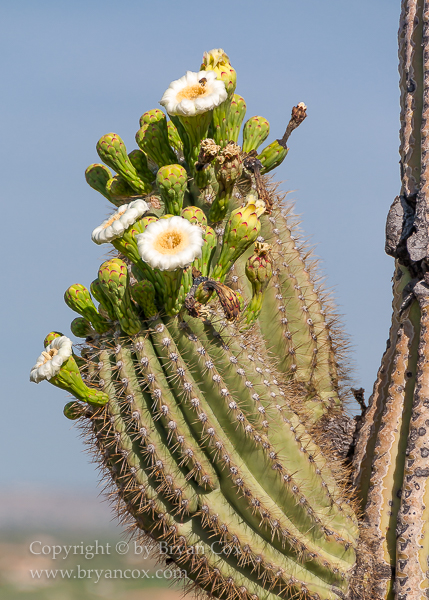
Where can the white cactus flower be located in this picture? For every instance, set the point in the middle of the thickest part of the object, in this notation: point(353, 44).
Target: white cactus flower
point(116, 224)
point(169, 244)
point(50, 361)
point(194, 94)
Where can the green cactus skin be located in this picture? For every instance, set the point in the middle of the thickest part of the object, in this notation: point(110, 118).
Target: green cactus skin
point(171, 181)
point(97, 176)
point(255, 132)
point(152, 138)
point(111, 149)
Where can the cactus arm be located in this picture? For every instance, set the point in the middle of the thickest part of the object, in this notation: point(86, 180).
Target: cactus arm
point(389, 456)
point(413, 518)
point(292, 320)
point(410, 65)
point(366, 441)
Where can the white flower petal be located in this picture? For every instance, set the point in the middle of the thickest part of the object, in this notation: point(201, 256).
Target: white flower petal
point(186, 96)
point(169, 244)
point(51, 360)
point(119, 221)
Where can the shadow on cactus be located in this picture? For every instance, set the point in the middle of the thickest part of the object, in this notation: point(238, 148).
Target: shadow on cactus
point(209, 381)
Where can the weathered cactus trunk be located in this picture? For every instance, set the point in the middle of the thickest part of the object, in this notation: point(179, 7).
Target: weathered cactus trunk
point(391, 460)
point(211, 380)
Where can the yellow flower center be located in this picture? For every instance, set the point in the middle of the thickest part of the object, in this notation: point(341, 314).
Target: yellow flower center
point(193, 91)
point(171, 242)
point(49, 355)
point(113, 218)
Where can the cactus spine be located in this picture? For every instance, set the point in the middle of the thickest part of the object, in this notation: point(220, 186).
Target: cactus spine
point(211, 380)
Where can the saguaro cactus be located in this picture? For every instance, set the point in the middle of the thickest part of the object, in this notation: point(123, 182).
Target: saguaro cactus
point(211, 380)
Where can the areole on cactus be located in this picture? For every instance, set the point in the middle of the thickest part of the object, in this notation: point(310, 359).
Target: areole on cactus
point(211, 381)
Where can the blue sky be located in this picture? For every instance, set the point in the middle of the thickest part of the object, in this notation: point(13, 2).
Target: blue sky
point(73, 71)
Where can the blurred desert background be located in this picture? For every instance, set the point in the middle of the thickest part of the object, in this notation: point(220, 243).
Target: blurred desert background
point(35, 519)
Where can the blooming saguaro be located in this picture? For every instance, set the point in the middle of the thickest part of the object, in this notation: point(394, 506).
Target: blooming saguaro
point(210, 378)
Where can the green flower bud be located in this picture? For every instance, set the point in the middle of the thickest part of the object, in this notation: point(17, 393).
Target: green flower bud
point(120, 191)
point(74, 410)
point(111, 149)
point(80, 327)
point(259, 267)
point(143, 292)
point(51, 336)
point(195, 216)
point(102, 299)
point(174, 137)
point(97, 177)
point(255, 131)
point(217, 60)
point(139, 161)
point(259, 270)
point(272, 156)
point(78, 299)
point(114, 282)
point(152, 138)
point(207, 252)
point(241, 231)
point(236, 115)
point(172, 184)
point(228, 168)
